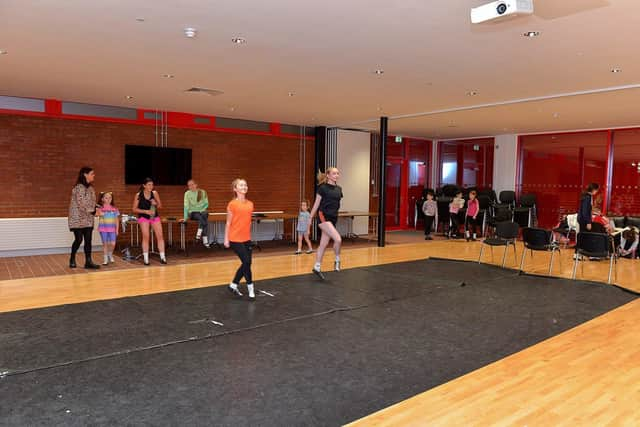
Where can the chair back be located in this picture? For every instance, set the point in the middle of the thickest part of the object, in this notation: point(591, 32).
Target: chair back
point(528, 200)
point(443, 208)
point(507, 197)
point(619, 221)
point(596, 227)
point(593, 244)
point(536, 238)
point(488, 192)
point(631, 221)
point(450, 190)
point(501, 213)
point(507, 230)
point(484, 201)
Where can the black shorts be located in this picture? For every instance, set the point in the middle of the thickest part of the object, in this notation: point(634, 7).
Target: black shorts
point(333, 219)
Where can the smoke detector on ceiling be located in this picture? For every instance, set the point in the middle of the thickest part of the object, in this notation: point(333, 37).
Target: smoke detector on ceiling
point(210, 92)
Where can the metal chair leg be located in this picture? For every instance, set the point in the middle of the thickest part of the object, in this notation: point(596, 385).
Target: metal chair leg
point(504, 256)
point(522, 259)
point(480, 256)
point(515, 254)
point(553, 251)
point(610, 268)
point(575, 265)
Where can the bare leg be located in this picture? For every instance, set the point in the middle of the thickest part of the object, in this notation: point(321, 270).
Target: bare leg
point(144, 229)
point(157, 229)
point(330, 233)
point(306, 238)
point(299, 242)
point(324, 241)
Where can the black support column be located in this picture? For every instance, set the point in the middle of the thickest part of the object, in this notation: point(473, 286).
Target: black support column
point(318, 165)
point(382, 182)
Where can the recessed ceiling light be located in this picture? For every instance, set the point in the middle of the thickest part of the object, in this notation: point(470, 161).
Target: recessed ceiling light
point(190, 32)
point(140, 19)
point(379, 108)
point(129, 97)
point(232, 108)
point(556, 115)
point(378, 72)
point(3, 52)
point(472, 93)
point(291, 94)
point(531, 34)
point(168, 76)
point(239, 40)
point(616, 70)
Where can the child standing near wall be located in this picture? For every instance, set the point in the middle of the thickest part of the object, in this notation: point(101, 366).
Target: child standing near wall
point(471, 221)
point(108, 225)
point(304, 218)
point(429, 208)
point(454, 209)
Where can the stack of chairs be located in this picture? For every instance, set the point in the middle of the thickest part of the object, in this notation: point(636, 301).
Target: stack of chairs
point(525, 213)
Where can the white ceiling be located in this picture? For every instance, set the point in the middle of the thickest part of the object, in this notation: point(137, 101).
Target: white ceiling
point(324, 51)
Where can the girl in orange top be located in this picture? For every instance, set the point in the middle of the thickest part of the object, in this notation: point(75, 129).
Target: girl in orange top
point(237, 235)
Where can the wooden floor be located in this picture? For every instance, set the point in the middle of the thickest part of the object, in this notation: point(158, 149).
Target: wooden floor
point(589, 375)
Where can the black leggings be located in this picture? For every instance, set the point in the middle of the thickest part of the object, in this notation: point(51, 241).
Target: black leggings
point(428, 223)
point(203, 220)
point(243, 250)
point(471, 224)
point(80, 234)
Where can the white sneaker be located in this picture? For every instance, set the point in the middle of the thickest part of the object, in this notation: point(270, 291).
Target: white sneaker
point(336, 266)
point(111, 259)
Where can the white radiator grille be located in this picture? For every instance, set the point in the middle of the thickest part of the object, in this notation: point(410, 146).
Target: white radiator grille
point(36, 235)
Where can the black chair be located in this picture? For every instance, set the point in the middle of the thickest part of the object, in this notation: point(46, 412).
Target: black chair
point(506, 235)
point(489, 192)
point(450, 190)
point(485, 208)
point(443, 212)
point(525, 213)
point(538, 239)
point(507, 197)
point(594, 245)
point(499, 213)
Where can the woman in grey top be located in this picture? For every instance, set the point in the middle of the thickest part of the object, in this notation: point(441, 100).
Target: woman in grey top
point(82, 210)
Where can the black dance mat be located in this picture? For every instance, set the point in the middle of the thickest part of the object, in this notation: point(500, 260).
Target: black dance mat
point(307, 352)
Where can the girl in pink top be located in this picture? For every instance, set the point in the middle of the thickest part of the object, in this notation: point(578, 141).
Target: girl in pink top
point(471, 220)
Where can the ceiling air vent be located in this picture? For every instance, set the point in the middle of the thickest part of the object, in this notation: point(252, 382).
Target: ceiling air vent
point(210, 92)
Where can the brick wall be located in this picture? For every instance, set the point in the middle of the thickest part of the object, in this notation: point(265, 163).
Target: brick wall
point(40, 157)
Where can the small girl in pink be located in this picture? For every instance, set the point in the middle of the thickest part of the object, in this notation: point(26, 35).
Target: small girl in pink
point(108, 225)
point(471, 219)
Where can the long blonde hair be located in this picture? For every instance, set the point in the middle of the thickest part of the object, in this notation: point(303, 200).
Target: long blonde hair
point(322, 176)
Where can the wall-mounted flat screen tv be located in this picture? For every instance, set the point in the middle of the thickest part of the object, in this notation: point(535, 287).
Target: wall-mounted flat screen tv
point(166, 166)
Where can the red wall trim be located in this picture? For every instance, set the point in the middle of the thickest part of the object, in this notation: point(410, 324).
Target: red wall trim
point(177, 120)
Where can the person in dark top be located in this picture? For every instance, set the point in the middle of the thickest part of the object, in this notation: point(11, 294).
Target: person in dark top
point(327, 205)
point(586, 203)
point(146, 205)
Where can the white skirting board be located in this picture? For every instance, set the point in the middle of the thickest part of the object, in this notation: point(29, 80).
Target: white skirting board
point(32, 236)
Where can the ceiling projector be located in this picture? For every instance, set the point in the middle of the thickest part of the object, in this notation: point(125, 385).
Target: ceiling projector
point(501, 9)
